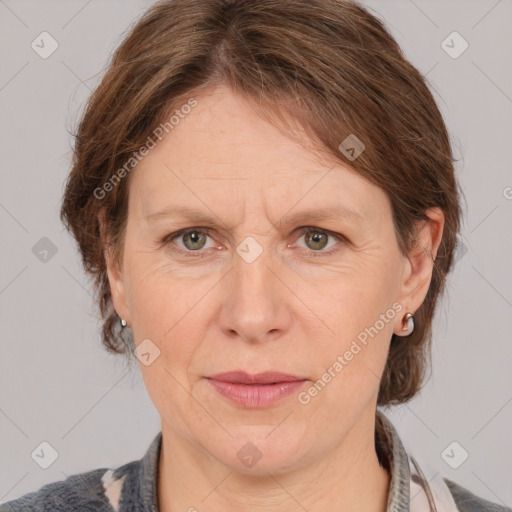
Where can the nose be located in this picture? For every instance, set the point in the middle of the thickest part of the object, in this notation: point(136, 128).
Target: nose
point(256, 297)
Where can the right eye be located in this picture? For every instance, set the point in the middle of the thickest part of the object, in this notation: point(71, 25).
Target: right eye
point(193, 240)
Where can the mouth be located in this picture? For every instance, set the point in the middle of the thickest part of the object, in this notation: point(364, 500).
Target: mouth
point(257, 390)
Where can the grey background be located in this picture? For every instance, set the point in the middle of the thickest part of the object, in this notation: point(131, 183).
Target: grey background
point(56, 382)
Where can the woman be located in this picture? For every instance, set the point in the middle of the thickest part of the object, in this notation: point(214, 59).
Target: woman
point(264, 193)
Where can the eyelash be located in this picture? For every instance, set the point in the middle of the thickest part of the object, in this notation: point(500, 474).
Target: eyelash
point(302, 231)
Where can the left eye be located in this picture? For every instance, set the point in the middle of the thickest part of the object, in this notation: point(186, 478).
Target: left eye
point(317, 239)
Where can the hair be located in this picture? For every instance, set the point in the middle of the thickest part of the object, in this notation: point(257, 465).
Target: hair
point(328, 64)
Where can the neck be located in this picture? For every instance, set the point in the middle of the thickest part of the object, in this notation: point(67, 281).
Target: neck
point(349, 477)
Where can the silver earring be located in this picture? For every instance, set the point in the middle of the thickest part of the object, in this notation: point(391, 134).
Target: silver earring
point(123, 322)
point(407, 329)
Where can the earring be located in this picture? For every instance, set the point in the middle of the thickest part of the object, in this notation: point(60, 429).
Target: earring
point(123, 322)
point(407, 329)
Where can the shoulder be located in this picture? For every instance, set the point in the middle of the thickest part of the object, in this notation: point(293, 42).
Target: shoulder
point(466, 501)
point(93, 491)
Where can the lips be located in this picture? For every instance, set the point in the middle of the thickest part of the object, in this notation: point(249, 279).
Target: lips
point(255, 391)
point(270, 377)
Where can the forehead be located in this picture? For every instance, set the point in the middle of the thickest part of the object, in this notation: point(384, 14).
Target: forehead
point(223, 153)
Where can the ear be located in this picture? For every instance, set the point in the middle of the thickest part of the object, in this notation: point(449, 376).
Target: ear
point(420, 261)
point(114, 272)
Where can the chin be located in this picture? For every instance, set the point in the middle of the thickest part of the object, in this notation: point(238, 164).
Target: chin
point(258, 450)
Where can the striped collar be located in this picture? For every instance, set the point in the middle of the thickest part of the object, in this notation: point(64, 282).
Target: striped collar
point(394, 458)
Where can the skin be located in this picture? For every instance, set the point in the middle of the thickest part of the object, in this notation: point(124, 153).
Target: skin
point(293, 310)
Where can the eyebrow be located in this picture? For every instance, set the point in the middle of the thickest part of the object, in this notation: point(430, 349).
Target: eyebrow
point(314, 214)
point(318, 214)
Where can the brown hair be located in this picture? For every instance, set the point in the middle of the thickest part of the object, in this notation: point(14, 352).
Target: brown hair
point(328, 64)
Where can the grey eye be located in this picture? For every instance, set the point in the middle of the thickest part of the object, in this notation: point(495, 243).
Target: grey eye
point(194, 240)
point(317, 239)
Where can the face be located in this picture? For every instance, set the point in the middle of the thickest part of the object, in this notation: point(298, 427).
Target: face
point(249, 251)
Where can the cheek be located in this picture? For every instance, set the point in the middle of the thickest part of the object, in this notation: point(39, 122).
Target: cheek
point(353, 300)
point(358, 312)
point(161, 308)
point(165, 312)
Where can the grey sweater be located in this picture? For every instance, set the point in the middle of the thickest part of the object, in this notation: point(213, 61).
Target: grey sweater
point(132, 487)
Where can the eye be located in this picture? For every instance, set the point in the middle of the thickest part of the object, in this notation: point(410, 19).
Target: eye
point(317, 239)
point(193, 240)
